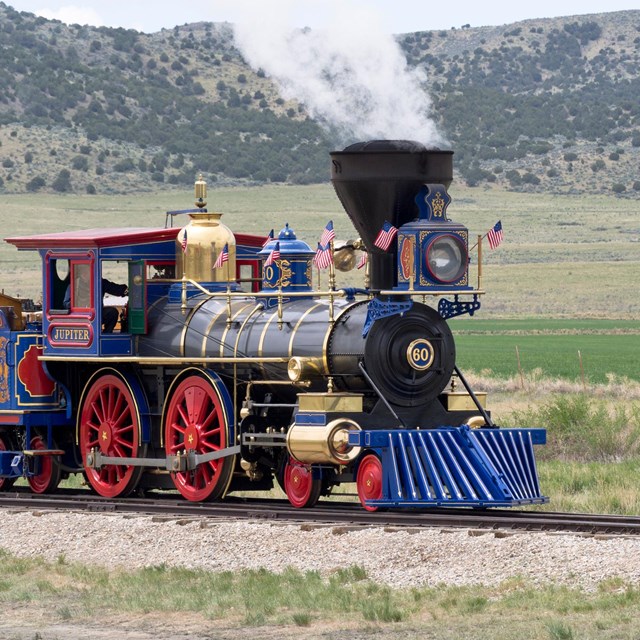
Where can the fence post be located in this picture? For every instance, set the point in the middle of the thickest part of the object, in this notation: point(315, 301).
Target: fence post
point(519, 368)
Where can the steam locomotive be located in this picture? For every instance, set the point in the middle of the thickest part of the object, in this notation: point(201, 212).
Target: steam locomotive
point(231, 372)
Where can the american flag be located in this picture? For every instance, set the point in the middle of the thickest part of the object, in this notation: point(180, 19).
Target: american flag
point(385, 237)
point(323, 257)
point(268, 240)
point(495, 235)
point(273, 256)
point(223, 257)
point(363, 260)
point(183, 244)
point(328, 234)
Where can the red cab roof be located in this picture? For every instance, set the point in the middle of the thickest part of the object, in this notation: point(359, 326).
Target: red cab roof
point(96, 238)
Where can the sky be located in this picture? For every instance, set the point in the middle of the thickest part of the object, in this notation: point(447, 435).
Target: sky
point(396, 16)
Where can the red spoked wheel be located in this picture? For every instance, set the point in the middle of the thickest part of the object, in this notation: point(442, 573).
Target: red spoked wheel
point(5, 445)
point(110, 423)
point(302, 489)
point(369, 480)
point(196, 421)
point(49, 469)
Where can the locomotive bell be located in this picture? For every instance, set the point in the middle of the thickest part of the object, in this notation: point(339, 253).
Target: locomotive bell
point(344, 256)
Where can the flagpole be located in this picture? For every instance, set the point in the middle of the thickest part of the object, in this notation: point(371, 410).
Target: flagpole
point(479, 245)
point(480, 239)
point(332, 283)
point(279, 295)
point(228, 295)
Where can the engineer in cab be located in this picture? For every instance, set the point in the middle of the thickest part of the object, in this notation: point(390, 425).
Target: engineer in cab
point(82, 297)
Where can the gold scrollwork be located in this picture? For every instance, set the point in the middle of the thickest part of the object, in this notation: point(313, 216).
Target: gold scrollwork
point(438, 205)
point(4, 371)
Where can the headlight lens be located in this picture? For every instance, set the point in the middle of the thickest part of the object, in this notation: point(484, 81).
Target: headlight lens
point(446, 258)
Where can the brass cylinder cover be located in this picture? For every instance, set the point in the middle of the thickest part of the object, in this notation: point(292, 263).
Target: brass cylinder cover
point(303, 368)
point(327, 444)
point(206, 238)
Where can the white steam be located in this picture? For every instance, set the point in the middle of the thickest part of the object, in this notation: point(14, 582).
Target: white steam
point(351, 75)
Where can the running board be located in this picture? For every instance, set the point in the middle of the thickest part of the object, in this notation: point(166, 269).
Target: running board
point(455, 466)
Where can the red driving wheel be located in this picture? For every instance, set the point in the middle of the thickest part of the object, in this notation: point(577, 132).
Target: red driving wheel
point(369, 480)
point(196, 422)
point(302, 489)
point(110, 424)
point(49, 469)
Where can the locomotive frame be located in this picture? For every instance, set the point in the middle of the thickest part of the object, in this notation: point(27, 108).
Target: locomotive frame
point(222, 380)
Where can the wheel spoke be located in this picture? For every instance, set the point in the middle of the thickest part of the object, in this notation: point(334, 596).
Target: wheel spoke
point(97, 411)
point(195, 420)
point(109, 422)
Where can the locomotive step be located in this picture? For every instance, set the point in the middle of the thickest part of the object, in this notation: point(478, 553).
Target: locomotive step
point(43, 452)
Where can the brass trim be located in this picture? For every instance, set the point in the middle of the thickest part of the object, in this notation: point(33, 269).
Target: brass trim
point(405, 292)
point(263, 335)
point(207, 333)
point(185, 328)
point(330, 402)
point(227, 328)
point(462, 401)
point(153, 360)
point(331, 326)
point(250, 315)
point(475, 422)
point(300, 320)
point(431, 355)
point(327, 444)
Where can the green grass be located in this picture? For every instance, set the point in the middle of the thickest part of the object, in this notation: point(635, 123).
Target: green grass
point(562, 256)
point(337, 606)
point(559, 348)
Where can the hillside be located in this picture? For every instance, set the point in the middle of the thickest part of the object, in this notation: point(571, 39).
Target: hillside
point(537, 105)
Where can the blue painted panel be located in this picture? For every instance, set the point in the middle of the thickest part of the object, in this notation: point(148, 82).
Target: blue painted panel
point(455, 466)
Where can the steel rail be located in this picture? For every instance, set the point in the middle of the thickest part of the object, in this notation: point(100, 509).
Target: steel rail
point(327, 513)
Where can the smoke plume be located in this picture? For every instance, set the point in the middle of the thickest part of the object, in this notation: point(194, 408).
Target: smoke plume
point(351, 76)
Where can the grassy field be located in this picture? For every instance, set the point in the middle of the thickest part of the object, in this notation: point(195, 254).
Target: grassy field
point(588, 350)
point(302, 605)
point(563, 256)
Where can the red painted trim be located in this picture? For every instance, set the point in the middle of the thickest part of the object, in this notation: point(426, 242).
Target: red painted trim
point(9, 419)
point(96, 238)
point(93, 238)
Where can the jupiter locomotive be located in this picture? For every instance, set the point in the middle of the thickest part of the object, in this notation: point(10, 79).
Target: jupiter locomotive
point(231, 372)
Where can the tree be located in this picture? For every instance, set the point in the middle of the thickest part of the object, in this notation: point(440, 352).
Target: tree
point(62, 183)
point(35, 184)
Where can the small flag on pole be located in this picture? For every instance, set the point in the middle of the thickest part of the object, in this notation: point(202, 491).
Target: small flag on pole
point(495, 235)
point(363, 260)
point(328, 234)
point(323, 257)
point(223, 257)
point(183, 243)
point(385, 237)
point(273, 256)
point(268, 240)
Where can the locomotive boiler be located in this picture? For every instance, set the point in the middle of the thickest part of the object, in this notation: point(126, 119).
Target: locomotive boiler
point(232, 372)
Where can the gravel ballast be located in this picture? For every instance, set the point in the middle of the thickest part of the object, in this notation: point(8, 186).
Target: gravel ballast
point(398, 558)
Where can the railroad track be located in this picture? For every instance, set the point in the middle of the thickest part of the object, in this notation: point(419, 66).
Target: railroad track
point(327, 513)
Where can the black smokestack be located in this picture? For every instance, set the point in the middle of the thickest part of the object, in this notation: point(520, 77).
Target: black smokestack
point(378, 181)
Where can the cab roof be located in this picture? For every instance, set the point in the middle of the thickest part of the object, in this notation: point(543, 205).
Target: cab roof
point(103, 238)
